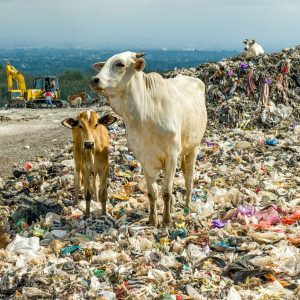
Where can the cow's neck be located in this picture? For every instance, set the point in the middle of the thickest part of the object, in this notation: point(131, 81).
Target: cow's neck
point(134, 105)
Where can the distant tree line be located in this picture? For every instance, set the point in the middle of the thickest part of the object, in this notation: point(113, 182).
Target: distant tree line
point(73, 81)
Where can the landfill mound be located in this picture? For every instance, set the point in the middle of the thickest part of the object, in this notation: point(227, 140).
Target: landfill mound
point(247, 93)
point(239, 239)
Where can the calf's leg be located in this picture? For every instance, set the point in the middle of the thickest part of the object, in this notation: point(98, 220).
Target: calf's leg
point(188, 167)
point(103, 189)
point(168, 188)
point(152, 195)
point(87, 192)
point(77, 182)
point(95, 187)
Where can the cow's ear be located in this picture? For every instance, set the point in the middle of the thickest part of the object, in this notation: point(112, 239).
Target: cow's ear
point(107, 120)
point(98, 66)
point(140, 64)
point(70, 123)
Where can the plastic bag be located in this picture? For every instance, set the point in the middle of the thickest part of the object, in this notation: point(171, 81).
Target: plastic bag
point(287, 258)
point(193, 293)
point(268, 214)
point(25, 246)
point(266, 237)
point(233, 294)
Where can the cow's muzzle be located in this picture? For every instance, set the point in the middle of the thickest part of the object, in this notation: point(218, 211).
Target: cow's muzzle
point(95, 81)
point(89, 145)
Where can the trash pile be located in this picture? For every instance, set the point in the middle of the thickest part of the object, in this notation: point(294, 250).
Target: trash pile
point(239, 239)
point(246, 93)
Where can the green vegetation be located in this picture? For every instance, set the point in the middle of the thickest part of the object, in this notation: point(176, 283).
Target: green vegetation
point(73, 81)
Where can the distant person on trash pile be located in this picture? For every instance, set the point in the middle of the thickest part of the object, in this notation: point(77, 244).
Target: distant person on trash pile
point(253, 49)
point(48, 98)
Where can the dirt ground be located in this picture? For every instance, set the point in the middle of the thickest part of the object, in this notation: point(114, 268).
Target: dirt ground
point(40, 129)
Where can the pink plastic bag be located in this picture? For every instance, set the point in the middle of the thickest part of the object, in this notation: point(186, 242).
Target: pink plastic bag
point(270, 214)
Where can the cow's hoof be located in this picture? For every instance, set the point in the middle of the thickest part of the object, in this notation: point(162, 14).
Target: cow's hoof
point(153, 221)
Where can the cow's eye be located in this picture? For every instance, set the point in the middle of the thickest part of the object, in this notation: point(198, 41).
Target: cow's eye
point(96, 125)
point(80, 126)
point(120, 65)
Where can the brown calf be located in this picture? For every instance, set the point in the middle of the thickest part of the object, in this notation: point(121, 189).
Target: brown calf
point(81, 94)
point(91, 149)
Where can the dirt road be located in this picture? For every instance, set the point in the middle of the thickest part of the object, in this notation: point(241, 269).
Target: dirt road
point(26, 134)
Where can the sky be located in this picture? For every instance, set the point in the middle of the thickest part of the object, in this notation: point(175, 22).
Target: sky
point(171, 24)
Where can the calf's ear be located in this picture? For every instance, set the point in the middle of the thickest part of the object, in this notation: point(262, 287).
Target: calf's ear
point(98, 66)
point(70, 123)
point(140, 64)
point(107, 120)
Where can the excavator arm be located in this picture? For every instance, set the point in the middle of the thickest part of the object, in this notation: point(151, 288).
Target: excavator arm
point(13, 73)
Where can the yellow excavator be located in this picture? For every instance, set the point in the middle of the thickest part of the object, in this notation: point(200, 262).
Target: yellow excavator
point(19, 96)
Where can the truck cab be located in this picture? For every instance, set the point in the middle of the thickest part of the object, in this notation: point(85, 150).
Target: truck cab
point(47, 82)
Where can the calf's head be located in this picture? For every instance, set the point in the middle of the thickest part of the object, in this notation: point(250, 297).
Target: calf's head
point(85, 127)
point(116, 72)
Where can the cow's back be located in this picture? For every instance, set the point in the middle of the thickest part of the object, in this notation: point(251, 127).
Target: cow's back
point(191, 108)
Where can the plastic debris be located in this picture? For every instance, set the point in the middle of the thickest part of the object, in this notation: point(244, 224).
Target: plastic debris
point(24, 246)
point(271, 142)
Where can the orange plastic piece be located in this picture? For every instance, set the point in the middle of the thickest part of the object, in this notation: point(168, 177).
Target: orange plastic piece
point(291, 219)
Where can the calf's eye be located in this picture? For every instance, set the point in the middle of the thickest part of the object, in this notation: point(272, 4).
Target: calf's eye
point(120, 65)
point(80, 126)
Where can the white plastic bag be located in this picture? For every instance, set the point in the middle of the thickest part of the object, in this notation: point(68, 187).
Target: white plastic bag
point(26, 246)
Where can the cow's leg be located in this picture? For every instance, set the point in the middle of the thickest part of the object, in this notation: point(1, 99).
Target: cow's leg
point(168, 188)
point(95, 187)
point(152, 195)
point(103, 189)
point(188, 172)
point(87, 192)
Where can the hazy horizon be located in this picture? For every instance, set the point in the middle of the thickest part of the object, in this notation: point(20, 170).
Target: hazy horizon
point(150, 24)
point(124, 48)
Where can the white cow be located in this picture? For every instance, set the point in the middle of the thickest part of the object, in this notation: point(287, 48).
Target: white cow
point(253, 49)
point(164, 119)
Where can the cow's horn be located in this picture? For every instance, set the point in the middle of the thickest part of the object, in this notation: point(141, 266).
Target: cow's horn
point(139, 55)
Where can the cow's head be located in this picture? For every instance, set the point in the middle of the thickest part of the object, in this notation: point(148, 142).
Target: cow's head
point(115, 73)
point(85, 127)
point(249, 43)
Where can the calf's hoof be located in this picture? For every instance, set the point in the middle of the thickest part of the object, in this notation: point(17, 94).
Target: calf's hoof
point(166, 221)
point(86, 216)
